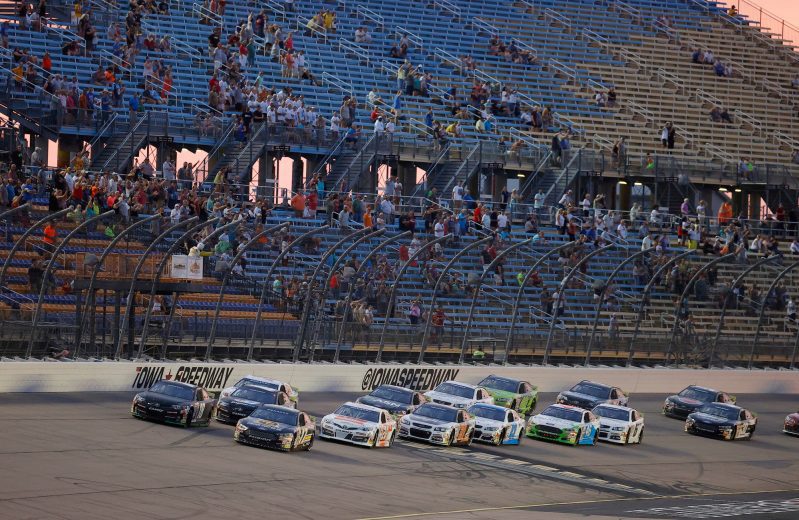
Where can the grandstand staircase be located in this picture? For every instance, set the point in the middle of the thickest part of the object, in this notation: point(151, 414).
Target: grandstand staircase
point(350, 165)
point(118, 150)
point(443, 176)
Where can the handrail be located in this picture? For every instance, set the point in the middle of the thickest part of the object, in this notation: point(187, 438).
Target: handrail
point(482, 24)
point(302, 25)
point(564, 69)
point(128, 137)
point(338, 83)
point(530, 181)
point(415, 39)
point(205, 13)
point(222, 142)
point(340, 181)
point(354, 48)
point(563, 172)
point(463, 165)
point(420, 185)
point(446, 5)
point(557, 17)
point(368, 14)
point(326, 159)
point(276, 8)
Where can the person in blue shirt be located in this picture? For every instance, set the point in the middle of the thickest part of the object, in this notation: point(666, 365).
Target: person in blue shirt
point(428, 118)
point(28, 190)
point(397, 104)
point(468, 201)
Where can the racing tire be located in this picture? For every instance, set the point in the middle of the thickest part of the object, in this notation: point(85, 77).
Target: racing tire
point(451, 439)
point(641, 437)
point(751, 434)
point(577, 437)
point(469, 440)
point(373, 443)
point(189, 417)
point(307, 447)
point(514, 405)
point(391, 439)
point(500, 438)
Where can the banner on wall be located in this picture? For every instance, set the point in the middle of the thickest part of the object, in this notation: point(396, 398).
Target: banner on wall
point(187, 267)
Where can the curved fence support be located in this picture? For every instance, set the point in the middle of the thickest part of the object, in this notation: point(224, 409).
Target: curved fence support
point(734, 284)
point(771, 287)
point(333, 269)
point(348, 301)
point(390, 308)
point(239, 254)
point(645, 295)
point(450, 264)
point(135, 276)
point(689, 286)
point(502, 254)
point(5, 214)
point(269, 277)
point(306, 309)
point(563, 284)
point(527, 275)
point(98, 267)
point(599, 303)
point(25, 235)
point(160, 269)
point(49, 269)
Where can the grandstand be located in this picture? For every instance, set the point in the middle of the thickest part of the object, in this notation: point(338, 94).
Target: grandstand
point(350, 276)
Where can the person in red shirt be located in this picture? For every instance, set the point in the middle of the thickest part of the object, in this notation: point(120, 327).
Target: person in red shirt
point(47, 62)
point(438, 319)
point(313, 203)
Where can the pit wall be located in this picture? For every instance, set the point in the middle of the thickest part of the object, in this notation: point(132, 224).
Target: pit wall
point(135, 376)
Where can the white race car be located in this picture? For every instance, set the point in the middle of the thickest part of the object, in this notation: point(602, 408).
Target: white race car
point(458, 395)
point(438, 424)
point(359, 424)
point(497, 424)
point(619, 424)
point(271, 384)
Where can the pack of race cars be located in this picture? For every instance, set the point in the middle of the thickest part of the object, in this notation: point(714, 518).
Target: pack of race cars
point(498, 410)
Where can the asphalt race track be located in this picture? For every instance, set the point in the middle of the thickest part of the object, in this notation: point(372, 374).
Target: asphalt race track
point(82, 456)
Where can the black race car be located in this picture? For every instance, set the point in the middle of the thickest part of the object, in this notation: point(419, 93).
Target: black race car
point(245, 399)
point(723, 420)
point(396, 400)
point(277, 427)
point(691, 398)
point(175, 403)
point(588, 395)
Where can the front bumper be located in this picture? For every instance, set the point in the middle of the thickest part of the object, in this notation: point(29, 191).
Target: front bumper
point(562, 436)
point(422, 434)
point(710, 430)
point(791, 429)
point(158, 415)
point(677, 412)
point(361, 438)
point(608, 435)
point(261, 439)
point(229, 416)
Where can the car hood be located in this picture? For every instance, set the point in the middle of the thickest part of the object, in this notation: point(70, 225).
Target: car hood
point(502, 395)
point(794, 416)
point(553, 421)
point(166, 400)
point(385, 404)
point(268, 426)
point(488, 422)
point(428, 420)
point(582, 397)
point(343, 421)
point(246, 403)
point(448, 397)
point(710, 419)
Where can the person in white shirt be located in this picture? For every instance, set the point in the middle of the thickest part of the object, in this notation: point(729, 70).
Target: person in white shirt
point(586, 203)
point(372, 97)
point(457, 195)
point(647, 242)
point(502, 221)
point(795, 247)
point(176, 213)
point(380, 126)
point(390, 127)
point(621, 230)
point(654, 217)
point(439, 228)
point(335, 123)
point(168, 170)
point(566, 200)
point(388, 210)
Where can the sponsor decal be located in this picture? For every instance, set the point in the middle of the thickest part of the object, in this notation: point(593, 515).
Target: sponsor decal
point(413, 378)
point(210, 378)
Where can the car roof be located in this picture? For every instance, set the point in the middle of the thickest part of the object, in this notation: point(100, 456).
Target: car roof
point(438, 405)
point(725, 405)
point(588, 381)
point(177, 383)
point(565, 407)
point(257, 387)
point(504, 378)
point(615, 407)
point(459, 383)
point(262, 379)
point(703, 388)
point(395, 387)
point(281, 408)
point(489, 406)
point(362, 406)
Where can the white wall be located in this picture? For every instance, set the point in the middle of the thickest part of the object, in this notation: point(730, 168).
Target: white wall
point(132, 376)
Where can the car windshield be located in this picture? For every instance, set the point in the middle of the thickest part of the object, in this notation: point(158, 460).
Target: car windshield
point(359, 413)
point(437, 412)
point(592, 390)
point(452, 389)
point(720, 411)
point(500, 383)
point(699, 394)
point(392, 394)
point(612, 413)
point(173, 390)
point(563, 413)
point(254, 394)
point(252, 381)
point(487, 412)
point(278, 416)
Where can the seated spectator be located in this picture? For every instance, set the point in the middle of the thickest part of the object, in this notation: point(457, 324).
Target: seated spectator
point(715, 115)
point(725, 116)
point(708, 57)
point(718, 68)
point(600, 99)
point(362, 35)
point(696, 57)
point(612, 97)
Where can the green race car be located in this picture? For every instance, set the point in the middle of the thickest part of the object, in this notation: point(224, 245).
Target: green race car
point(511, 393)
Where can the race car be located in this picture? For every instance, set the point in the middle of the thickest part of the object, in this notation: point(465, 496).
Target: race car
point(175, 403)
point(723, 420)
point(791, 426)
point(497, 424)
point(619, 424)
point(564, 423)
point(396, 400)
point(245, 399)
point(521, 396)
point(458, 395)
point(438, 424)
point(691, 398)
point(277, 427)
point(588, 395)
point(272, 384)
point(360, 424)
